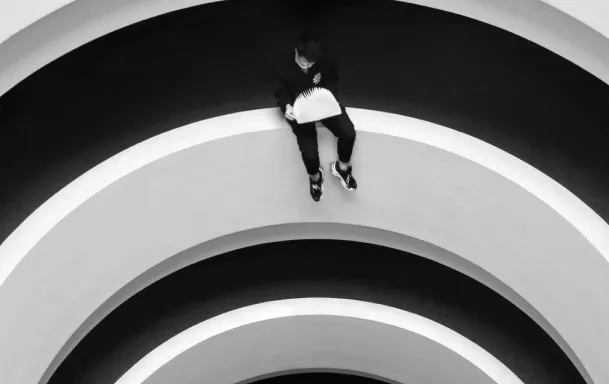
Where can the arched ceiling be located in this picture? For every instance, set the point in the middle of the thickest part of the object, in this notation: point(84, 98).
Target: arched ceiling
point(42, 32)
point(308, 333)
point(161, 74)
point(88, 105)
point(593, 13)
point(17, 16)
point(281, 270)
point(138, 210)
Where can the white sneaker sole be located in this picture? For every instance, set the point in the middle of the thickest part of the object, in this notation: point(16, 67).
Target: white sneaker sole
point(335, 173)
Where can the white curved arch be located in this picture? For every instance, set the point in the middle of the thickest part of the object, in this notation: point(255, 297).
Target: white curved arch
point(18, 15)
point(588, 223)
point(81, 21)
point(319, 333)
point(594, 13)
point(144, 205)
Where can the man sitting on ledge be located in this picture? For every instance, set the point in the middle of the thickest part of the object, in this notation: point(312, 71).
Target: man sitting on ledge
point(307, 69)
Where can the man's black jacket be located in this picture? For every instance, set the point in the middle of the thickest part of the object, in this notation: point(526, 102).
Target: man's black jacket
point(292, 80)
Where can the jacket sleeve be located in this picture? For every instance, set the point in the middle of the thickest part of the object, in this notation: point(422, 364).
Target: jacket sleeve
point(331, 79)
point(283, 91)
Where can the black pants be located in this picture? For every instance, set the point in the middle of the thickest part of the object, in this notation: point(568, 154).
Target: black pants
point(306, 136)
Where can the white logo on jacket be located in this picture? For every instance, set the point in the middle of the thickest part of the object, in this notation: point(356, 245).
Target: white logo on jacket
point(317, 78)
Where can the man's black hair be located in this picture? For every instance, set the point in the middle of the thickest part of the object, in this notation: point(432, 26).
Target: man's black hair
point(309, 47)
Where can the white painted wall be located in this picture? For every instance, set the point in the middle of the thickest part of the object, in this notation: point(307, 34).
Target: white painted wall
point(17, 15)
point(594, 13)
point(81, 21)
point(293, 231)
point(185, 187)
point(319, 333)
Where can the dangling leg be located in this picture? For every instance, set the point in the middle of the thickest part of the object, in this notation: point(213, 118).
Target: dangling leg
point(306, 137)
point(342, 127)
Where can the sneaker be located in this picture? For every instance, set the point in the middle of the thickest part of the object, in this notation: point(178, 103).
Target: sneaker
point(345, 177)
point(317, 187)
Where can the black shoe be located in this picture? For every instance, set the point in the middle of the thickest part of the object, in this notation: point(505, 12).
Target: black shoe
point(345, 177)
point(317, 187)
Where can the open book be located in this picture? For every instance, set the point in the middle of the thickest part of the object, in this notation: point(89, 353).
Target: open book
point(315, 104)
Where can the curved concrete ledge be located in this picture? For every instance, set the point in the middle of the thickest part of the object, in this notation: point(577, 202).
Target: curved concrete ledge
point(18, 15)
point(593, 13)
point(300, 231)
point(15, 16)
point(157, 199)
point(82, 21)
point(319, 333)
point(313, 371)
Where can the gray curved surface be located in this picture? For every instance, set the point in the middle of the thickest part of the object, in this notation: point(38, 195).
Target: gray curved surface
point(123, 226)
point(476, 92)
point(350, 375)
point(160, 304)
point(588, 298)
point(82, 21)
point(350, 336)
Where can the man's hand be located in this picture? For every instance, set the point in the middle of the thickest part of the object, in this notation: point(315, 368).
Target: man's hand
point(289, 112)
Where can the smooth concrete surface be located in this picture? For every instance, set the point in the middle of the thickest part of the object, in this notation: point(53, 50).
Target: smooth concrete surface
point(312, 260)
point(185, 187)
point(17, 15)
point(319, 333)
point(317, 375)
point(151, 77)
point(594, 13)
point(85, 20)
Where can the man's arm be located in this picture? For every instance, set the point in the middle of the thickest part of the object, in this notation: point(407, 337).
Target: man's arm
point(283, 92)
point(331, 79)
